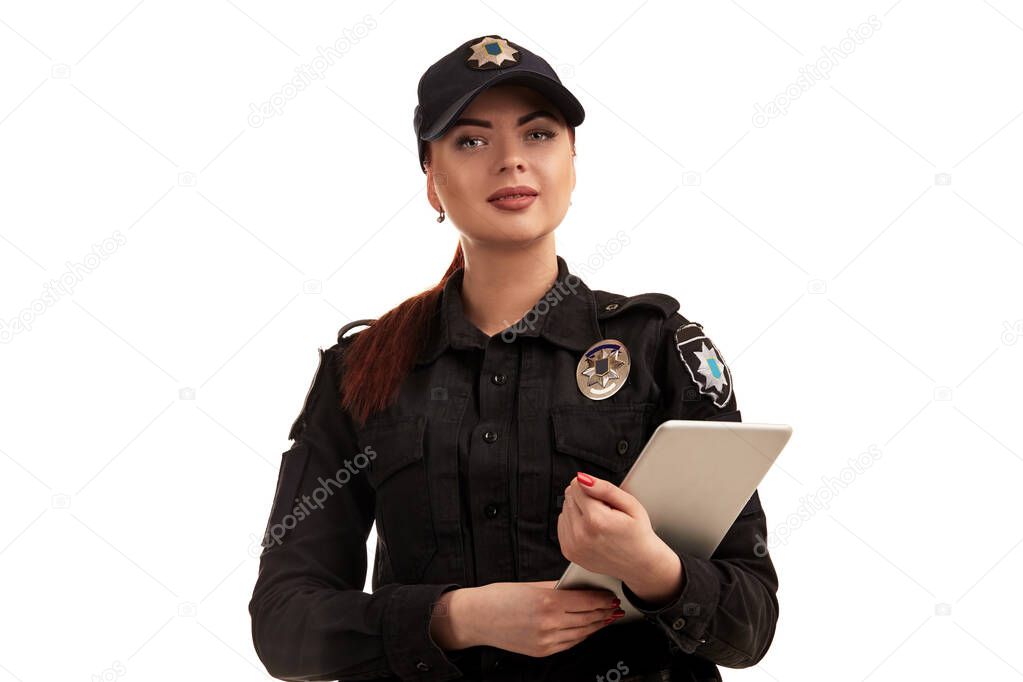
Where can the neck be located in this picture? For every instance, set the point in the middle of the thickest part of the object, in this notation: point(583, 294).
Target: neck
point(500, 285)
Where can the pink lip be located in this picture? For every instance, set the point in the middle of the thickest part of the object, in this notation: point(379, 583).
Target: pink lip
point(513, 204)
point(512, 189)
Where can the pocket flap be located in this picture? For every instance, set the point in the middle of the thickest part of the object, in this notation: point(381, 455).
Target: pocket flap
point(610, 436)
point(289, 478)
point(395, 443)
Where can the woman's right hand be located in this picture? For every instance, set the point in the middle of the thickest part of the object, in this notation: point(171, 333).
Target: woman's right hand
point(534, 619)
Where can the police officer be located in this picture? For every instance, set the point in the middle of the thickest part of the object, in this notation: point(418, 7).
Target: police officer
point(486, 452)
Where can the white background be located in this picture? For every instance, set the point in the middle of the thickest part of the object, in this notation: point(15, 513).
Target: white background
point(857, 260)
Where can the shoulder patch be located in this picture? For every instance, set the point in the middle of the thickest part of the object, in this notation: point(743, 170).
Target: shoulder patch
point(609, 304)
point(354, 323)
point(704, 362)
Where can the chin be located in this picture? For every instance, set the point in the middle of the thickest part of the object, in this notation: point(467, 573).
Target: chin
point(510, 236)
point(512, 228)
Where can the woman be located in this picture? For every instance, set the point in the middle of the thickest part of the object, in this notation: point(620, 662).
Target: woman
point(489, 453)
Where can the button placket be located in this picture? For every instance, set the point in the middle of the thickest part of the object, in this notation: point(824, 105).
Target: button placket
point(493, 546)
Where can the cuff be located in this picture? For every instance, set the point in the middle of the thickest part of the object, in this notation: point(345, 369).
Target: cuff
point(685, 619)
point(411, 652)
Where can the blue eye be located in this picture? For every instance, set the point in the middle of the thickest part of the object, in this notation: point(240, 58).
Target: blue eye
point(460, 143)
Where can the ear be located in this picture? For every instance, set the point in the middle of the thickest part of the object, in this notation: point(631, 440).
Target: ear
point(431, 188)
point(572, 140)
point(432, 178)
point(573, 168)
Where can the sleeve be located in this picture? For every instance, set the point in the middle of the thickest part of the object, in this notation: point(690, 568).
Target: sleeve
point(727, 609)
point(311, 619)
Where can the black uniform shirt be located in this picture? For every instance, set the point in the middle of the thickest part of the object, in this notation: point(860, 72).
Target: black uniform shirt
point(464, 476)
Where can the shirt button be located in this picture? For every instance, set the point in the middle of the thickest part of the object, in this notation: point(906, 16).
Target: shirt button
point(490, 511)
point(422, 666)
point(623, 446)
point(490, 436)
point(679, 623)
point(499, 379)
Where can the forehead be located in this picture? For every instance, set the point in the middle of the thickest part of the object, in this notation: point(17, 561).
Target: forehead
point(510, 100)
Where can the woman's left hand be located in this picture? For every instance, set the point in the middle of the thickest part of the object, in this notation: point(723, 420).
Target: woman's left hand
point(606, 530)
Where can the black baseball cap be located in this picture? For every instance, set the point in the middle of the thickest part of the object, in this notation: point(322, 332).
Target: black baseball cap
point(450, 84)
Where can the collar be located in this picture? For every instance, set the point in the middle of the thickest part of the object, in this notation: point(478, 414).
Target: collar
point(565, 315)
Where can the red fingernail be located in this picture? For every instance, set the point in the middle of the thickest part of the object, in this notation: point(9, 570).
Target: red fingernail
point(584, 478)
point(616, 602)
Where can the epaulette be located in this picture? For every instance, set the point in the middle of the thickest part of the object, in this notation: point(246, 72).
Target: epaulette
point(354, 323)
point(298, 425)
point(609, 304)
point(300, 422)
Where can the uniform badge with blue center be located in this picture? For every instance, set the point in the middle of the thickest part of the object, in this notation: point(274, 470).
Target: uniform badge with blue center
point(704, 362)
point(603, 369)
point(492, 52)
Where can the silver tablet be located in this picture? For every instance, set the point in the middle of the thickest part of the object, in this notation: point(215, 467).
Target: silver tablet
point(693, 477)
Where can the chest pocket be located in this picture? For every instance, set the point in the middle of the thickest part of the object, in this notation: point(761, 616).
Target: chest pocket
point(398, 474)
point(603, 440)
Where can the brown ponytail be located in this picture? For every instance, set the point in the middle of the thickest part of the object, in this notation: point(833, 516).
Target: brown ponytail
point(378, 358)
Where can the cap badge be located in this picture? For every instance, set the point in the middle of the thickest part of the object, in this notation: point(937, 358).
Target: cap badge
point(492, 53)
point(603, 369)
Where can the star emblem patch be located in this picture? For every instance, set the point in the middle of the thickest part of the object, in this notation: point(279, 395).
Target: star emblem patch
point(704, 362)
point(493, 52)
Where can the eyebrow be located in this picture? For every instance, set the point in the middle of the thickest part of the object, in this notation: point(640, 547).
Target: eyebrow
point(541, 113)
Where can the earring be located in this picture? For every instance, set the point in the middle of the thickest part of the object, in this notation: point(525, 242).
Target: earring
point(440, 216)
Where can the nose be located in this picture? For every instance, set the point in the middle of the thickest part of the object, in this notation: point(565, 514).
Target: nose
point(510, 155)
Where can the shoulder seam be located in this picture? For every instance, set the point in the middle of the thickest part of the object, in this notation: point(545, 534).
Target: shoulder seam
point(610, 304)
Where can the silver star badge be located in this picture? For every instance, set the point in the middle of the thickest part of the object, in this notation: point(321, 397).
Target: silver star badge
point(603, 369)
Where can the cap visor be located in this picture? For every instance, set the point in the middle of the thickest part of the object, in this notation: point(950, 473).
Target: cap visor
point(557, 93)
